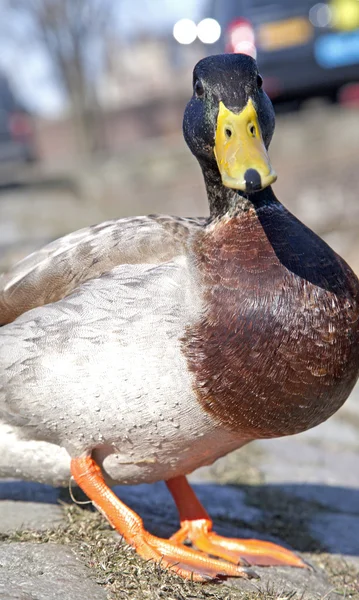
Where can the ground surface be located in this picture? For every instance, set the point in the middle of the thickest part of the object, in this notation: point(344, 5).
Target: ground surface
point(302, 491)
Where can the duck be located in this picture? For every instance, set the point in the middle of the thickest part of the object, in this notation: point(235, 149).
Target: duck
point(140, 349)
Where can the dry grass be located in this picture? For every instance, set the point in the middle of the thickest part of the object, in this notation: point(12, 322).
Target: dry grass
point(126, 576)
point(343, 575)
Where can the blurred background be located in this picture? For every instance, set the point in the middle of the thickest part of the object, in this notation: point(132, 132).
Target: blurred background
point(92, 94)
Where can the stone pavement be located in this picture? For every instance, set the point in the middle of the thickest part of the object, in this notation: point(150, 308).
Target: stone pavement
point(44, 572)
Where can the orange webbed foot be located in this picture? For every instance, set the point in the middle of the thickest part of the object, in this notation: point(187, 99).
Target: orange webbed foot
point(237, 551)
point(186, 562)
point(196, 527)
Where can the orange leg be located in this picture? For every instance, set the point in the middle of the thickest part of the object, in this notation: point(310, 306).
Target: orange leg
point(188, 563)
point(196, 526)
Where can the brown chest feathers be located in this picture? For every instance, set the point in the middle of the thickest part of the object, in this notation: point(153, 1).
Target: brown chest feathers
point(277, 350)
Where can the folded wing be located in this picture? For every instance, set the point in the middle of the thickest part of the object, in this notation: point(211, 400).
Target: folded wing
point(60, 267)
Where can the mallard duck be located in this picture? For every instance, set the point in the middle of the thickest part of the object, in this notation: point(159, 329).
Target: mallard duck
point(142, 348)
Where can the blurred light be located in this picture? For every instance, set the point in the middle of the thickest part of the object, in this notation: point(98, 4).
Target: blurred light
point(185, 31)
point(241, 38)
point(209, 31)
point(345, 14)
point(320, 15)
point(245, 47)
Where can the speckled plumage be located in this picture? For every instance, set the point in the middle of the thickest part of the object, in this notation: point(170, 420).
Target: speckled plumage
point(101, 369)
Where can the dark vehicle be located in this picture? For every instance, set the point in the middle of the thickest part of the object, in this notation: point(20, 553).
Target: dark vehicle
point(17, 140)
point(303, 48)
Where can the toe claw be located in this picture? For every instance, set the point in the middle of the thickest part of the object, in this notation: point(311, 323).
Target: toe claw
point(251, 574)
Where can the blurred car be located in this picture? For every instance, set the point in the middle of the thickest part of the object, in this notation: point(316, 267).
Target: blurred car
point(303, 48)
point(17, 138)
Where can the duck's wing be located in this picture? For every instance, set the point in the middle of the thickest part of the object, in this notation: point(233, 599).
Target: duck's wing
point(60, 267)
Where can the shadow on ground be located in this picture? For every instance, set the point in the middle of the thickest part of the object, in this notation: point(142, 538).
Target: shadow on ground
point(307, 518)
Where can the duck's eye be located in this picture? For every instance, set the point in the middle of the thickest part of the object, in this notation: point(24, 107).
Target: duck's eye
point(259, 81)
point(199, 89)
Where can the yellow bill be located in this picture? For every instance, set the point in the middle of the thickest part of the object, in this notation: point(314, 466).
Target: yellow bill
point(241, 155)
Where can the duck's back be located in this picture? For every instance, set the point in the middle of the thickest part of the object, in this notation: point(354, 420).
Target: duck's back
point(278, 350)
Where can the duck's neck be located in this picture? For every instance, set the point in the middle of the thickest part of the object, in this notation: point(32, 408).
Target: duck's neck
point(225, 201)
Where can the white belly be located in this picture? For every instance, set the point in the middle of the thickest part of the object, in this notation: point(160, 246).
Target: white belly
point(48, 463)
point(135, 409)
point(106, 375)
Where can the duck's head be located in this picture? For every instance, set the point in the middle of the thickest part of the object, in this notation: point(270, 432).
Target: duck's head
point(229, 122)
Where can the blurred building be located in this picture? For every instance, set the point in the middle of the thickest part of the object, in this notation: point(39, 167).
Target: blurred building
point(151, 67)
point(140, 94)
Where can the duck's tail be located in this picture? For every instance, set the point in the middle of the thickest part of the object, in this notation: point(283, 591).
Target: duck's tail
point(32, 460)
